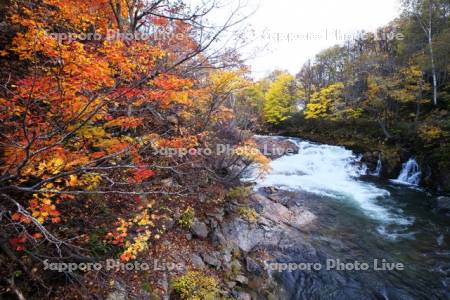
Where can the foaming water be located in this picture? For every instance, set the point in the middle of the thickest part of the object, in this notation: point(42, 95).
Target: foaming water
point(359, 218)
point(331, 171)
point(410, 173)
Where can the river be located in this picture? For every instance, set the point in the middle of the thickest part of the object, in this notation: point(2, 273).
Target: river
point(361, 219)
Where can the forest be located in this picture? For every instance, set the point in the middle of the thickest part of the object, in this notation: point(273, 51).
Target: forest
point(386, 91)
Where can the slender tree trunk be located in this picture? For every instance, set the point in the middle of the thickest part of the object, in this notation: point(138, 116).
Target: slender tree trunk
point(433, 69)
point(430, 44)
point(427, 27)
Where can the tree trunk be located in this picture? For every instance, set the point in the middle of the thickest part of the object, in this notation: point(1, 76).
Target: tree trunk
point(430, 44)
point(433, 70)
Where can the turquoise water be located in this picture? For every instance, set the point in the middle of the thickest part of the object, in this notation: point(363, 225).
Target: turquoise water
point(360, 219)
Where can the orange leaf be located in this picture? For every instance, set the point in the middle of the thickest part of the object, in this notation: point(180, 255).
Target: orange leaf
point(141, 174)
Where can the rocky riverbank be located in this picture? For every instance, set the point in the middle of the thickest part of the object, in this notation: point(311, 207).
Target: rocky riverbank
point(235, 243)
point(247, 245)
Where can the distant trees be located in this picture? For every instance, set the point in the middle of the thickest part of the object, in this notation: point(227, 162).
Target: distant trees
point(422, 12)
point(281, 98)
point(390, 77)
point(382, 77)
point(432, 17)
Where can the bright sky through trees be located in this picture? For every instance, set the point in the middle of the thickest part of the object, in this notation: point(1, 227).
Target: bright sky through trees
point(312, 18)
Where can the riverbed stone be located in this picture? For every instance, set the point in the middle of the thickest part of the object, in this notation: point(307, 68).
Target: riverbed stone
point(443, 204)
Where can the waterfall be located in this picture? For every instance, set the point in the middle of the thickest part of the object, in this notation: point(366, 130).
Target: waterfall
point(377, 171)
point(410, 173)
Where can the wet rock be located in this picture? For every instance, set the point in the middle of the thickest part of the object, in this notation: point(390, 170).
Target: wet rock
point(265, 223)
point(279, 199)
point(257, 198)
point(270, 190)
point(443, 204)
point(278, 213)
point(225, 256)
point(199, 229)
point(258, 208)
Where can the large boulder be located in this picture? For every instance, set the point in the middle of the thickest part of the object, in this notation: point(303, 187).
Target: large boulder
point(295, 217)
point(278, 227)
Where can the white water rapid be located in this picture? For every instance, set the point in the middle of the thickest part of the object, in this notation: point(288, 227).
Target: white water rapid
point(331, 171)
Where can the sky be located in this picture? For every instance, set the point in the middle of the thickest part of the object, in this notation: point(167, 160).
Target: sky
point(292, 31)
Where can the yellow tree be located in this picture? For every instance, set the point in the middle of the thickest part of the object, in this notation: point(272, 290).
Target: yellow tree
point(280, 99)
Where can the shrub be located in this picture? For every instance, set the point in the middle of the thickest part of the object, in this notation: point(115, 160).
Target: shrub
point(240, 192)
point(195, 286)
point(249, 214)
point(187, 218)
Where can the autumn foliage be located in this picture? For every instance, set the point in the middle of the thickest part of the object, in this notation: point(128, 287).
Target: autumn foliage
point(81, 119)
